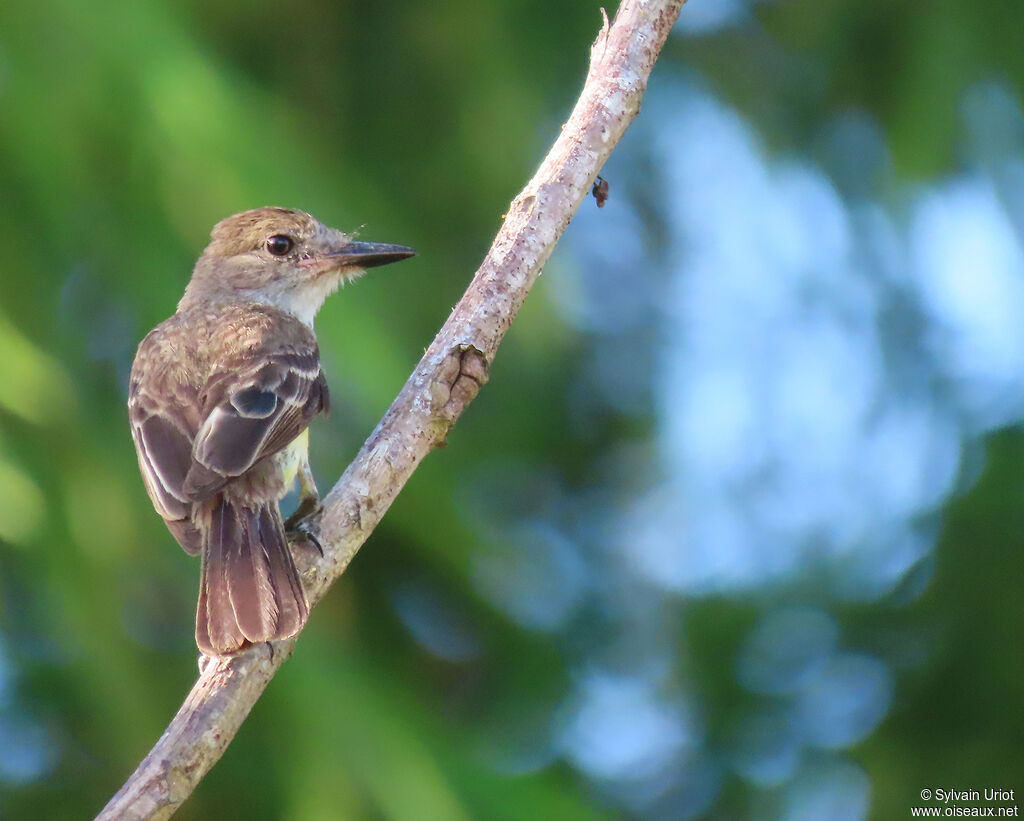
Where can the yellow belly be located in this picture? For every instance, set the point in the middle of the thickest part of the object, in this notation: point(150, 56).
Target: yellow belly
point(292, 458)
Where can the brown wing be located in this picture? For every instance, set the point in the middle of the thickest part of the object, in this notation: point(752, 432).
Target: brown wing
point(165, 455)
point(164, 416)
point(251, 409)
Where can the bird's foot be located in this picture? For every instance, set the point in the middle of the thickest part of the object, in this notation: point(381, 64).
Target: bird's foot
point(304, 523)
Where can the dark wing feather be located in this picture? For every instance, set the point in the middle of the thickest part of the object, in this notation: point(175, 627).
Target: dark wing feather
point(252, 409)
point(163, 420)
point(165, 455)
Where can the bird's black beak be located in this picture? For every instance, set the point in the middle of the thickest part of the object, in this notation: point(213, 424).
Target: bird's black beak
point(370, 254)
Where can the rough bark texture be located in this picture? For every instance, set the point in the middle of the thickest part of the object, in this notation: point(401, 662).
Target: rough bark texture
point(445, 381)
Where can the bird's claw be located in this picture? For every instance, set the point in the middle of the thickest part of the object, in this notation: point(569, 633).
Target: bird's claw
point(304, 523)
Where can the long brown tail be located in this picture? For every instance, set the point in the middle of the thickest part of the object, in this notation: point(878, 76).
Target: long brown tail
point(249, 589)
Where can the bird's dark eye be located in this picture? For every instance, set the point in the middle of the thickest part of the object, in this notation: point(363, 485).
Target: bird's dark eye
point(279, 245)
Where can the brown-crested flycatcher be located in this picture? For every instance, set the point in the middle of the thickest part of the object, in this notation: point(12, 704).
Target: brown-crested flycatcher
point(219, 401)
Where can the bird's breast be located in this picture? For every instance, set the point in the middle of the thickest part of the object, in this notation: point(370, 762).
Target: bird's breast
point(292, 457)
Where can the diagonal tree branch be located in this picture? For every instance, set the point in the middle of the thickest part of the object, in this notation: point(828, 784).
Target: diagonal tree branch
point(445, 381)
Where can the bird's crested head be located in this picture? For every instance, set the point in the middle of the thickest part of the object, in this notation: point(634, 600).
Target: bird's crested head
point(281, 257)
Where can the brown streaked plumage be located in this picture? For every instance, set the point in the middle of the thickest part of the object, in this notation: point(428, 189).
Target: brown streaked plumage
point(219, 401)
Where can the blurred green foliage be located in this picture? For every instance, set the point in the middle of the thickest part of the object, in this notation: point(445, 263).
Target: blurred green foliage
point(128, 129)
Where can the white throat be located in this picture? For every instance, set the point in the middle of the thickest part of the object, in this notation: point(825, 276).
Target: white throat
point(305, 301)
